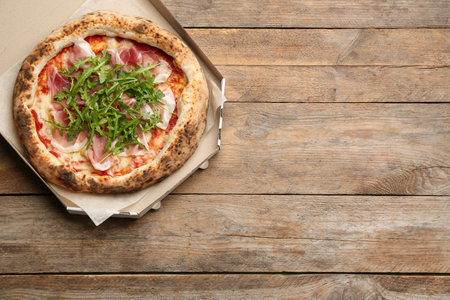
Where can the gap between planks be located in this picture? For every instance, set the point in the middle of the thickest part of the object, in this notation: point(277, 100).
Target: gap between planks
point(417, 274)
point(254, 194)
point(306, 27)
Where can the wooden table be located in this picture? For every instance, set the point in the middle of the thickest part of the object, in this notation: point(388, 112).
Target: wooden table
point(333, 180)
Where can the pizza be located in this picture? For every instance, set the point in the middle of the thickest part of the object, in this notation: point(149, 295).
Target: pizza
point(110, 103)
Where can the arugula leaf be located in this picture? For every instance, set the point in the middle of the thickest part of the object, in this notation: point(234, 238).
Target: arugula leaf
point(94, 102)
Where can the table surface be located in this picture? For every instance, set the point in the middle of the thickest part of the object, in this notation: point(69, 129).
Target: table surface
point(333, 180)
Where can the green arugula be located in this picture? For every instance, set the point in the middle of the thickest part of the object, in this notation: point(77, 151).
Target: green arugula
point(101, 87)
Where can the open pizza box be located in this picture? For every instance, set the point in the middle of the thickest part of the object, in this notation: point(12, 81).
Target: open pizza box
point(36, 28)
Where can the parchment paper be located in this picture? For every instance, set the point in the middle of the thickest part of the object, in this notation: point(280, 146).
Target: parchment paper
point(101, 207)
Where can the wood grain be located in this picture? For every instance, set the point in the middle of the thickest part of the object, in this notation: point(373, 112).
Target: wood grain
point(322, 149)
point(300, 148)
point(232, 233)
point(307, 13)
point(399, 47)
point(336, 84)
point(15, 176)
point(250, 211)
point(240, 286)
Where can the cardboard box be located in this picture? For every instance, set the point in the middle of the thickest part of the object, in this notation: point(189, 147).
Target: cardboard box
point(101, 207)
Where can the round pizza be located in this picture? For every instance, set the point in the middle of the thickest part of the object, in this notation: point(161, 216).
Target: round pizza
point(110, 103)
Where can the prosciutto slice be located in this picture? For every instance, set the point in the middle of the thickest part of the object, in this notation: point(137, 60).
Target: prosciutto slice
point(129, 101)
point(96, 153)
point(167, 107)
point(135, 54)
point(60, 141)
point(56, 82)
point(115, 56)
point(162, 71)
point(135, 150)
point(81, 50)
point(125, 56)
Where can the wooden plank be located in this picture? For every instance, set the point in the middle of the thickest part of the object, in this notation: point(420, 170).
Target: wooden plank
point(398, 47)
point(296, 148)
point(307, 13)
point(336, 84)
point(15, 176)
point(321, 149)
point(233, 233)
point(226, 286)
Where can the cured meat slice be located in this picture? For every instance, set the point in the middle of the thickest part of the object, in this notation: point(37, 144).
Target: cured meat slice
point(56, 81)
point(96, 153)
point(81, 50)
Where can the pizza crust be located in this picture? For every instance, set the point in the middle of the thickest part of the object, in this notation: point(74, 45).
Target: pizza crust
point(183, 139)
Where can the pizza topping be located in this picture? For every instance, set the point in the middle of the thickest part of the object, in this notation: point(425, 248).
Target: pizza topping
point(56, 82)
point(115, 56)
point(167, 108)
point(162, 71)
point(99, 159)
point(112, 101)
point(60, 141)
point(135, 150)
point(81, 50)
point(135, 55)
point(39, 126)
point(149, 56)
point(100, 87)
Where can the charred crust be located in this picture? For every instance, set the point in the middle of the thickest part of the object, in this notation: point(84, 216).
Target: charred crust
point(66, 177)
point(139, 29)
point(188, 133)
point(165, 164)
point(22, 121)
point(22, 85)
point(33, 151)
point(42, 50)
point(26, 152)
point(32, 58)
point(92, 183)
point(27, 74)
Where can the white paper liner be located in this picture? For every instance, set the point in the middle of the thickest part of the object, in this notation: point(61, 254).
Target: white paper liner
point(101, 207)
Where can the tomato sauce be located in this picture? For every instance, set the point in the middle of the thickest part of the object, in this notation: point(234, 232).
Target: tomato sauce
point(56, 154)
point(172, 121)
point(101, 173)
point(42, 80)
point(97, 43)
point(39, 126)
